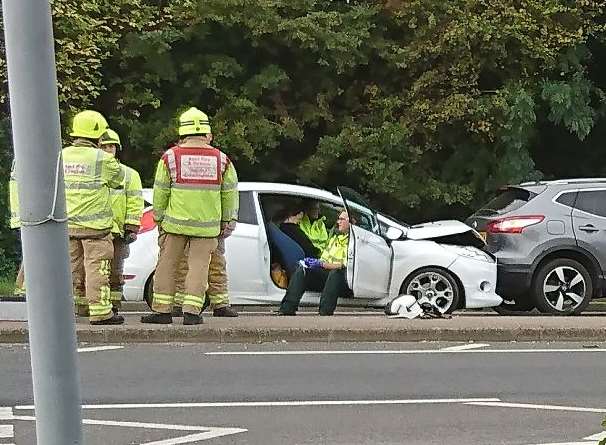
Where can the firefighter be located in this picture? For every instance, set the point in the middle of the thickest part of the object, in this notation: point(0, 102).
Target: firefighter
point(127, 207)
point(217, 292)
point(89, 174)
point(15, 223)
point(195, 200)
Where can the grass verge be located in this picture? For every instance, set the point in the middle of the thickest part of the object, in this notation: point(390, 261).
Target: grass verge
point(7, 285)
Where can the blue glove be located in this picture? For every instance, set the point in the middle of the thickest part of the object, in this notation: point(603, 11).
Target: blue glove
point(313, 263)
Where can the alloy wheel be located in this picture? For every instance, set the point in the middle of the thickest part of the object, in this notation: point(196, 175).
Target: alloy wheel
point(434, 288)
point(564, 288)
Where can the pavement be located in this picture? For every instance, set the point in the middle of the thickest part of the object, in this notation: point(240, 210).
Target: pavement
point(422, 393)
point(346, 326)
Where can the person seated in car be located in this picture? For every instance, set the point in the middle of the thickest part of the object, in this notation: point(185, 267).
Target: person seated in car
point(326, 274)
point(313, 224)
point(290, 226)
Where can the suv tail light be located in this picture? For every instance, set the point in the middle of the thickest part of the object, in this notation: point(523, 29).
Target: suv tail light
point(514, 224)
point(147, 222)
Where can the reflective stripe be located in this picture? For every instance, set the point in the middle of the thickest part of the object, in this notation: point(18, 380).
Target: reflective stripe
point(98, 163)
point(163, 299)
point(94, 185)
point(115, 192)
point(134, 193)
point(183, 222)
point(215, 187)
point(132, 218)
point(116, 296)
point(162, 185)
point(232, 186)
point(172, 164)
point(94, 217)
point(230, 216)
point(189, 299)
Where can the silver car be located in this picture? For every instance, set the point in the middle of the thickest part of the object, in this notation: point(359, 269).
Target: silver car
point(550, 242)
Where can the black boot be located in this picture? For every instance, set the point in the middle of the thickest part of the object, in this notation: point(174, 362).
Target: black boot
point(225, 311)
point(157, 318)
point(191, 319)
point(116, 319)
point(177, 311)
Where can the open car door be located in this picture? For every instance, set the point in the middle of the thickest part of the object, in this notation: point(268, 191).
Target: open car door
point(369, 257)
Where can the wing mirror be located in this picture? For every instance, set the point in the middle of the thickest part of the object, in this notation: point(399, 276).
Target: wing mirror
point(393, 233)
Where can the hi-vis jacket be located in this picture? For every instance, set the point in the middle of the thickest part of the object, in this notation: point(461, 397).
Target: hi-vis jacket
point(195, 190)
point(89, 174)
point(127, 201)
point(13, 199)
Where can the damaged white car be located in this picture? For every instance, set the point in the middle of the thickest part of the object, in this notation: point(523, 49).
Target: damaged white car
point(442, 263)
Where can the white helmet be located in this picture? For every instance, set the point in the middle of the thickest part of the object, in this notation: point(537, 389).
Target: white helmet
point(404, 306)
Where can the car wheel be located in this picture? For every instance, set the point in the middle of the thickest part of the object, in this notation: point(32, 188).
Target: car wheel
point(435, 286)
point(148, 292)
point(562, 286)
point(513, 307)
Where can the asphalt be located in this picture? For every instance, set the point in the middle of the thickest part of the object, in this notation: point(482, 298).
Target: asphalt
point(314, 393)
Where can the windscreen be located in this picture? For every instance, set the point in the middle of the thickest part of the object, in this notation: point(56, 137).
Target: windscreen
point(507, 200)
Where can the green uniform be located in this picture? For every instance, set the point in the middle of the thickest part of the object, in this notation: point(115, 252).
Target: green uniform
point(332, 283)
point(315, 231)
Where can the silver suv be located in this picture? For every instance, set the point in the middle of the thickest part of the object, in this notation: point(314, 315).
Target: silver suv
point(550, 242)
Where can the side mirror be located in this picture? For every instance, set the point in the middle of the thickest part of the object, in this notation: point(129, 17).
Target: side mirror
point(393, 233)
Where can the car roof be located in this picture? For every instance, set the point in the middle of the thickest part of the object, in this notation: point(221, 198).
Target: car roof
point(598, 182)
point(277, 187)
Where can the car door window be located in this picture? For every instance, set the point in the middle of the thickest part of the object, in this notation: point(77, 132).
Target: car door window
point(247, 213)
point(567, 199)
point(360, 213)
point(592, 201)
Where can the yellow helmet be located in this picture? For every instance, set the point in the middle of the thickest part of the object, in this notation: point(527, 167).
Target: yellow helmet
point(111, 137)
point(88, 124)
point(193, 121)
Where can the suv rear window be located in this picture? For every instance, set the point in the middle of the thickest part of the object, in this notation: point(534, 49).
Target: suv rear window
point(506, 201)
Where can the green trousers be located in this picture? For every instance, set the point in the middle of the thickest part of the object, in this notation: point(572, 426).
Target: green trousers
point(332, 284)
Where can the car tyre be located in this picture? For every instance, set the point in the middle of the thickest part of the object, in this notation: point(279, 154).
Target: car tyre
point(562, 286)
point(148, 292)
point(431, 283)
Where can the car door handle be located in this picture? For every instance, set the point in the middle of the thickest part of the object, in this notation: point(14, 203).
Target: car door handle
point(589, 228)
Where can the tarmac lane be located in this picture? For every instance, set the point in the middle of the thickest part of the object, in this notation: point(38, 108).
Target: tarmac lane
point(319, 393)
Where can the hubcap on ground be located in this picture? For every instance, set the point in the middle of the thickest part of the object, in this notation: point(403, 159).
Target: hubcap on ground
point(433, 288)
point(564, 288)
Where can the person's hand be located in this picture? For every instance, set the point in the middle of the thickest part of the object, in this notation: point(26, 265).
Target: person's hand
point(313, 263)
point(227, 229)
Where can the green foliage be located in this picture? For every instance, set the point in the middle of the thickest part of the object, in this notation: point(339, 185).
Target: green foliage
point(426, 106)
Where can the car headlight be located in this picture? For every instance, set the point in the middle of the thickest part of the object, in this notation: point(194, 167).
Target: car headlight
point(470, 252)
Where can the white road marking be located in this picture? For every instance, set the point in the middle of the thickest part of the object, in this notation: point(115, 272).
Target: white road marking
point(6, 413)
point(215, 432)
point(203, 432)
point(598, 436)
point(569, 443)
point(99, 348)
point(6, 432)
point(276, 404)
point(410, 351)
point(543, 407)
point(465, 347)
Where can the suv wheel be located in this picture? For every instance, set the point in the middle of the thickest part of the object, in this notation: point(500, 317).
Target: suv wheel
point(562, 286)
